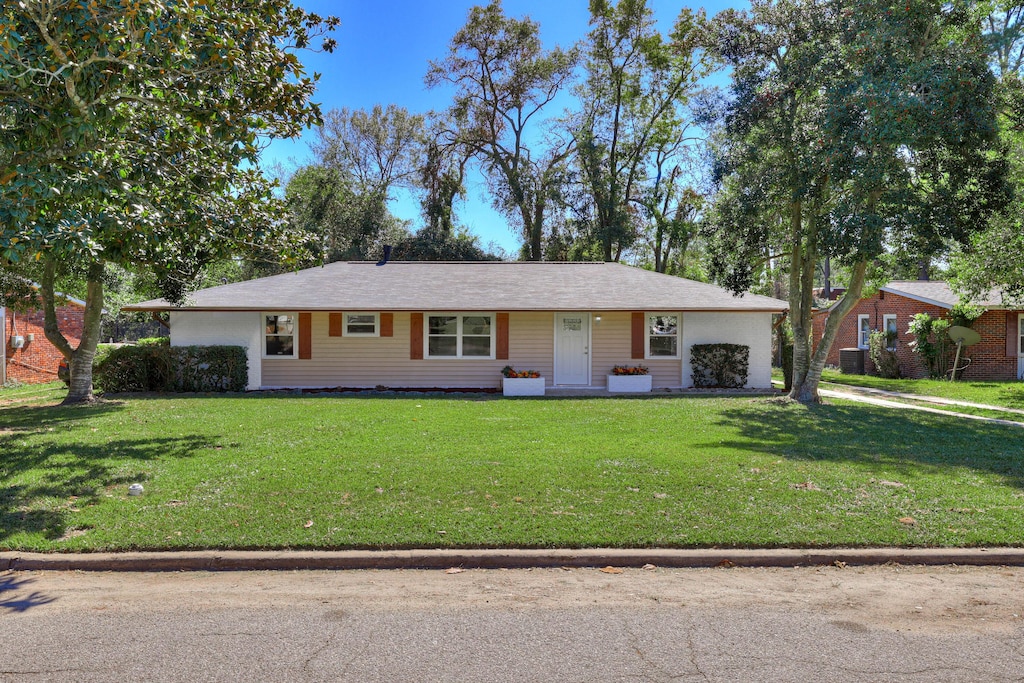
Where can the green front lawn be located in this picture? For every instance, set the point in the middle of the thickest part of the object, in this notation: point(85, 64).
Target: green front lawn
point(332, 472)
point(1005, 394)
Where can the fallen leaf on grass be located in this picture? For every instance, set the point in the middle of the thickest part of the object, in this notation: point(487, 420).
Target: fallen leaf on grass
point(611, 570)
point(454, 570)
point(806, 485)
point(308, 524)
point(894, 484)
point(909, 521)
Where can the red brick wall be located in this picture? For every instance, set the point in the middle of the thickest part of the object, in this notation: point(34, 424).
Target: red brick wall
point(988, 357)
point(37, 361)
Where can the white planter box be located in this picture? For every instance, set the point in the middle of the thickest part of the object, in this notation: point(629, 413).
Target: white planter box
point(629, 383)
point(522, 386)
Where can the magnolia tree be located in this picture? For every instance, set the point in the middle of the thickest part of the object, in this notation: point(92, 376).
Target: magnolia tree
point(853, 128)
point(130, 132)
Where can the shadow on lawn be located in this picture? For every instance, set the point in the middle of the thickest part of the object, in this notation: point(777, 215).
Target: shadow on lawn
point(55, 477)
point(901, 440)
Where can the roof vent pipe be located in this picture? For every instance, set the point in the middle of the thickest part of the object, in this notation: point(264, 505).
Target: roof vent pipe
point(387, 255)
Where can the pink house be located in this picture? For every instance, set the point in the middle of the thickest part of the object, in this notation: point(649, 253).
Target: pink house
point(456, 325)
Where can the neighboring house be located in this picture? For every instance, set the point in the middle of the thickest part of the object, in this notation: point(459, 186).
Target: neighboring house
point(26, 355)
point(455, 325)
point(999, 355)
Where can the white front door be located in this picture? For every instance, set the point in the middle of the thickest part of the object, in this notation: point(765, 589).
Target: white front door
point(572, 348)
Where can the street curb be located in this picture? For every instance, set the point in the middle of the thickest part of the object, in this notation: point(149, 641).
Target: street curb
point(216, 560)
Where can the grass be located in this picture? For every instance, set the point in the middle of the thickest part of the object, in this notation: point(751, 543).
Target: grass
point(1004, 394)
point(330, 472)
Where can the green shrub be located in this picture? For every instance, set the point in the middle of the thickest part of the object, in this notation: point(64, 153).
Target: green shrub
point(720, 365)
point(964, 314)
point(880, 345)
point(102, 351)
point(209, 368)
point(173, 368)
point(931, 343)
point(154, 341)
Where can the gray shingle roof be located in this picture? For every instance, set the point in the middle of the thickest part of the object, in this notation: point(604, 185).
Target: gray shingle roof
point(938, 292)
point(470, 286)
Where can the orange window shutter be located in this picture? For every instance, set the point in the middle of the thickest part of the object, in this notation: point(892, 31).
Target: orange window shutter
point(638, 334)
point(334, 325)
point(305, 335)
point(501, 350)
point(387, 324)
point(416, 336)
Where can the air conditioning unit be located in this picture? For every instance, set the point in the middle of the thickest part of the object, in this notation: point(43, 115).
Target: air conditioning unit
point(17, 342)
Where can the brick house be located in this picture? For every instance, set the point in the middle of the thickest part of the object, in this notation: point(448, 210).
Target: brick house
point(998, 356)
point(26, 355)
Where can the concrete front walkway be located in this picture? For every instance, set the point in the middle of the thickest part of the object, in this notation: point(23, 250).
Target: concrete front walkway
point(880, 397)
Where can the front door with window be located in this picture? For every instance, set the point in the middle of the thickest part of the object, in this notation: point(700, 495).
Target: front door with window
point(572, 348)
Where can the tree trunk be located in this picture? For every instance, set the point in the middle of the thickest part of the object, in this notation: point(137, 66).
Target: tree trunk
point(807, 390)
point(80, 359)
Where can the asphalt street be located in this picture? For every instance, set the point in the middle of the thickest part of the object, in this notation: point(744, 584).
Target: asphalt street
point(888, 623)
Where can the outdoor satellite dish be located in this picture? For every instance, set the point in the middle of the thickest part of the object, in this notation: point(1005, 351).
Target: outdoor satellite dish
point(963, 336)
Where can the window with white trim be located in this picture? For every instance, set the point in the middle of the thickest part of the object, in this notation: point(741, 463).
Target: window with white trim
point(1020, 342)
point(662, 335)
point(863, 330)
point(460, 335)
point(891, 333)
point(361, 324)
point(279, 335)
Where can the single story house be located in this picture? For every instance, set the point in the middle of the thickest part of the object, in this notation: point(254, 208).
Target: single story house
point(456, 325)
point(998, 356)
point(26, 355)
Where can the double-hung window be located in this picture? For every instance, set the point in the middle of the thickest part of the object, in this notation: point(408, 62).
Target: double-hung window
point(863, 330)
point(891, 333)
point(279, 332)
point(663, 335)
point(1020, 342)
point(460, 335)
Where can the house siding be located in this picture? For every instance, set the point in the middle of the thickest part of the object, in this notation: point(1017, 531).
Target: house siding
point(37, 361)
point(612, 342)
point(369, 362)
point(988, 357)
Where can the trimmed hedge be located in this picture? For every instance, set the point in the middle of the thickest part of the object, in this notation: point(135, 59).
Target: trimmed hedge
point(174, 369)
point(720, 365)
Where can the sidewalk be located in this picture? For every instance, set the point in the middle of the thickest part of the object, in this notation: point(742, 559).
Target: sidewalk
point(222, 560)
point(868, 395)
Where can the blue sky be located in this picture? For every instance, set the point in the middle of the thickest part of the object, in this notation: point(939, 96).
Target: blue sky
point(383, 52)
